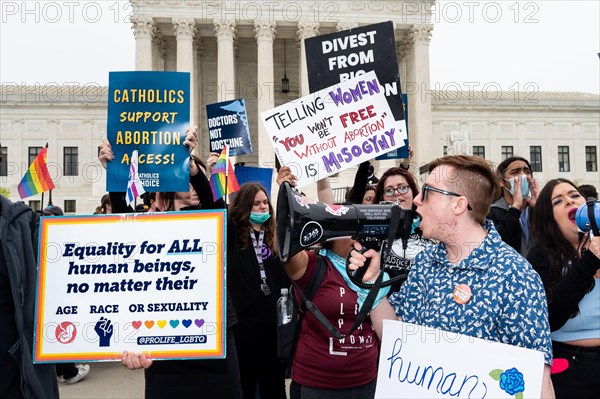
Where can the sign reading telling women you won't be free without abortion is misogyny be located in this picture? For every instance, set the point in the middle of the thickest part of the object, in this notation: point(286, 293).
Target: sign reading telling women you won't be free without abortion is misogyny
point(137, 282)
point(333, 129)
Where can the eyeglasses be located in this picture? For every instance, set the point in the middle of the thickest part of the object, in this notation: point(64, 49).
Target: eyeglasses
point(427, 187)
point(389, 191)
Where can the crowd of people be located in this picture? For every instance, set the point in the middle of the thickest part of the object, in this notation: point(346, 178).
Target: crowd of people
point(494, 231)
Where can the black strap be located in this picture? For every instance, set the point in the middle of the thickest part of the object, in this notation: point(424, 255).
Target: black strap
point(311, 290)
point(592, 217)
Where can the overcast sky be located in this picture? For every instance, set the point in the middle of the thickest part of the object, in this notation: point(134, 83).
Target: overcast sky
point(507, 45)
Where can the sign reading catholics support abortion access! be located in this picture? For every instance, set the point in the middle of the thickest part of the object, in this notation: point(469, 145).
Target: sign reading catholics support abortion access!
point(332, 129)
point(422, 362)
point(339, 56)
point(149, 111)
point(151, 283)
point(228, 124)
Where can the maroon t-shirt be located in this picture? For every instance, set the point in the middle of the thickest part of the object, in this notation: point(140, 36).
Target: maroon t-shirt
point(322, 361)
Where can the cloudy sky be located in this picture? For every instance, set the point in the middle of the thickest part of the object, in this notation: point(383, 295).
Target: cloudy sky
point(505, 45)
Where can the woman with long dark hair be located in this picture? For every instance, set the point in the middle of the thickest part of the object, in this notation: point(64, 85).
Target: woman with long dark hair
point(569, 264)
point(255, 278)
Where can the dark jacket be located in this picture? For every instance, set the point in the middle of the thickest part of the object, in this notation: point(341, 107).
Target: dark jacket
point(507, 221)
point(18, 261)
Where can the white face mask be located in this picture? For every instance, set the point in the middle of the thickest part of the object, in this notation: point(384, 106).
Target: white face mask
point(524, 186)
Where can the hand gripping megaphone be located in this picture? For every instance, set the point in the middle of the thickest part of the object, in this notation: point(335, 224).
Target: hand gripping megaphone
point(587, 216)
point(302, 222)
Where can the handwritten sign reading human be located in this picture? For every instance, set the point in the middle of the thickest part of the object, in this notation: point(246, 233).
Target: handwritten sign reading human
point(423, 362)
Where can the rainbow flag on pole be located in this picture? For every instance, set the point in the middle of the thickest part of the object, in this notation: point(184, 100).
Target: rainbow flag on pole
point(37, 179)
point(223, 176)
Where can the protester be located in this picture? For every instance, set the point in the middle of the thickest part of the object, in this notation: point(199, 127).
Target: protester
point(399, 186)
point(19, 376)
point(67, 373)
point(569, 265)
point(105, 206)
point(453, 204)
point(324, 366)
point(254, 280)
point(588, 191)
point(217, 378)
point(511, 212)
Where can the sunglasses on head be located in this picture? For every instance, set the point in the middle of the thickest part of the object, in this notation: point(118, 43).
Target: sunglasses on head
point(389, 191)
point(427, 187)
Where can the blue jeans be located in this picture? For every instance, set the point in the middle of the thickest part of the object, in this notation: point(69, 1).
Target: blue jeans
point(366, 391)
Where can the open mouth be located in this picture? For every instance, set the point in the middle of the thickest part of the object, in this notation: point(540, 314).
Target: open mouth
point(571, 215)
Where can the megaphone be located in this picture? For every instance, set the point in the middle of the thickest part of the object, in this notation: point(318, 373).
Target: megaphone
point(587, 216)
point(302, 222)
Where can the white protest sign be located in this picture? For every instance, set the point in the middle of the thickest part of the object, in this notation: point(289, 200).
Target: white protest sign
point(333, 129)
point(150, 283)
point(421, 362)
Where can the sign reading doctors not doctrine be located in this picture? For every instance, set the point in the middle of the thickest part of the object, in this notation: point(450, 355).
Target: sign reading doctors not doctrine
point(339, 56)
point(228, 124)
point(149, 111)
point(332, 129)
point(150, 283)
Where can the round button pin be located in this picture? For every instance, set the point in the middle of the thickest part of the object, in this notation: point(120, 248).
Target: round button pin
point(462, 294)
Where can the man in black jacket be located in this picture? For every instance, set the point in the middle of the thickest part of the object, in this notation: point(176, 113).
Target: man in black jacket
point(511, 212)
point(19, 377)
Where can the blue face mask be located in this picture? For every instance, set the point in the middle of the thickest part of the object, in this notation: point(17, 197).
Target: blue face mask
point(524, 186)
point(259, 217)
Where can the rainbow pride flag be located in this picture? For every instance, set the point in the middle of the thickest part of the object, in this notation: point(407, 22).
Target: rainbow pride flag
point(223, 172)
point(37, 179)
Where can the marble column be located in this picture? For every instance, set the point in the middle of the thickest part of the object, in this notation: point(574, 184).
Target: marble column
point(305, 31)
point(420, 109)
point(184, 29)
point(265, 34)
point(159, 49)
point(225, 32)
point(143, 30)
point(197, 83)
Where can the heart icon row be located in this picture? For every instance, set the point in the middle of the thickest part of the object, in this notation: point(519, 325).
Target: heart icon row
point(163, 323)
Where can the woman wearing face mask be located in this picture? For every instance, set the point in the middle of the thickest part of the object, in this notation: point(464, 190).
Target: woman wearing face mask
point(569, 265)
point(215, 378)
point(511, 212)
point(400, 186)
point(255, 278)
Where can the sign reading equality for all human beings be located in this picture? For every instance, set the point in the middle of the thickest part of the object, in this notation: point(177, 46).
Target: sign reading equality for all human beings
point(150, 112)
point(339, 56)
point(332, 129)
point(228, 124)
point(151, 283)
point(422, 362)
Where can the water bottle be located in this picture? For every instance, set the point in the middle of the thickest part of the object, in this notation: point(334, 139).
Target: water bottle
point(284, 308)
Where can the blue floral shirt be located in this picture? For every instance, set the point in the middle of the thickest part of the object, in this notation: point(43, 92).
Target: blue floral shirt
point(508, 302)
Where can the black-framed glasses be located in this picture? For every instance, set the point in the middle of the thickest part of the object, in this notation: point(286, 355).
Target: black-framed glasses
point(427, 187)
point(389, 191)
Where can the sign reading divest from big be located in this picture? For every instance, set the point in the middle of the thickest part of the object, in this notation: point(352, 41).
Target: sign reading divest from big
point(135, 282)
point(332, 129)
point(340, 56)
point(422, 362)
point(228, 124)
point(149, 111)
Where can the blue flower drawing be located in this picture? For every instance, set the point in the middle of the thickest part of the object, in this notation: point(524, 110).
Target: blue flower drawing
point(511, 381)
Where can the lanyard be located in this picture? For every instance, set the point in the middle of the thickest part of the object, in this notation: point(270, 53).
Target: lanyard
point(258, 252)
